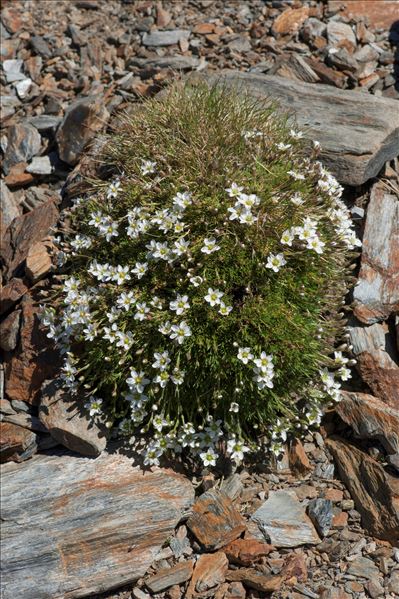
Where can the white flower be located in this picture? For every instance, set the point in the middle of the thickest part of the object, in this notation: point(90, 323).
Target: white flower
point(296, 134)
point(162, 378)
point(125, 300)
point(234, 407)
point(81, 242)
point(177, 376)
point(247, 218)
point(109, 229)
point(180, 304)
point(113, 189)
point(214, 296)
point(316, 244)
point(344, 373)
point(161, 251)
point(263, 378)
point(137, 381)
point(248, 201)
point(181, 246)
point(196, 281)
point(152, 455)
point(224, 310)
point(142, 310)
point(111, 333)
point(316, 145)
point(156, 303)
point(94, 406)
point(180, 332)
point(182, 200)
point(96, 218)
point(148, 167)
point(159, 422)
point(275, 262)
point(245, 354)
point(265, 362)
point(113, 314)
point(296, 176)
point(140, 268)
point(297, 199)
point(121, 274)
point(210, 245)
point(234, 190)
point(287, 237)
point(340, 359)
point(125, 340)
point(236, 449)
point(165, 328)
point(209, 457)
point(282, 146)
point(161, 360)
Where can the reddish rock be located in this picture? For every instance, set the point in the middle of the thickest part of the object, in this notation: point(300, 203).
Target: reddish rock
point(34, 361)
point(235, 590)
point(11, 293)
point(168, 577)
point(9, 330)
point(210, 571)
point(298, 460)
point(39, 260)
point(334, 495)
point(290, 20)
point(24, 232)
point(340, 520)
point(11, 18)
point(204, 28)
point(294, 568)
point(246, 552)
point(378, 15)
point(375, 351)
point(253, 579)
point(215, 522)
point(374, 491)
point(326, 74)
point(17, 177)
point(371, 419)
point(163, 16)
point(376, 294)
point(334, 593)
point(16, 443)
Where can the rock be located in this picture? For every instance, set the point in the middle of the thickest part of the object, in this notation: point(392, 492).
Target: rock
point(338, 32)
point(165, 38)
point(35, 359)
point(163, 16)
point(326, 74)
point(295, 567)
point(98, 523)
point(290, 20)
point(376, 295)
point(253, 579)
point(40, 165)
point(312, 28)
point(232, 486)
point(11, 293)
point(167, 577)
point(215, 522)
point(24, 142)
point(39, 260)
point(26, 421)
point(296, 68)
point(245, 552)
point(374, 492)
point(83, 119)
point(364, 567)
point(12, 69)
point(298, 460)
point(320, 512)
point(372, 10)
point(68, 423)
point(16, 443)
point(23, 233)
point(367, 57)
point(6, 407)
point(9, 331)
point(370, 418)
point(283, 521)
point(45, 122)
point(334, 495)
point(21, 406)
point(179, 544)
point(375, 352)
point(179, 63)
point(9, 208)
point(393, 582)
point(210, 571)
point(17, 176)
point(355, 144)
point(375, 589)
point(343, 61)
point(23, 88)
point(240, 44)
point(40, 46)
point(340, 520)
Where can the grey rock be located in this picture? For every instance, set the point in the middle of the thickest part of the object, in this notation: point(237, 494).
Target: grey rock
point(21, 406)
point(12, 69)
point(24, 142)
point(83, 119)
point(165, 38)
point(313, 27)
point(168, 577)
point(40, 165)
point(343, 61)
point(8, 205)
point(338, 32)
point(393, 460)
point(240, 44)
point(68, 423)
point(367, 57)
point(45, 122)
point(26, 421)
point(325, 471)
point(23, 88)
point(357, 136)
point(184, 63)
point(98, 523)
point(392, 584)
point(34, 196)
point(283, 521)
point(40, 46)
point(320, 512)
point(364, 567)
point(232, 486)
point(376, 294)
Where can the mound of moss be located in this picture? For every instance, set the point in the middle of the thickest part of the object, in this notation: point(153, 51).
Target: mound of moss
point(203, 284)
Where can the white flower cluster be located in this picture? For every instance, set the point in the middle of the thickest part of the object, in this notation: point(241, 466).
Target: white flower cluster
point(306, 233)
point(263, 369)
point(330, 384)
point(242, 210)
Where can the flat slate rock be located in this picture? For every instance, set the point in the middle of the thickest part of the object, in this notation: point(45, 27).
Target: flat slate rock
point(376, 294)
point(76, 526)
point(283, 521)
point(358, 132)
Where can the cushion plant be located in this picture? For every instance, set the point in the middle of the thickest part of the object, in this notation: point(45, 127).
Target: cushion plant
point(204, 283)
